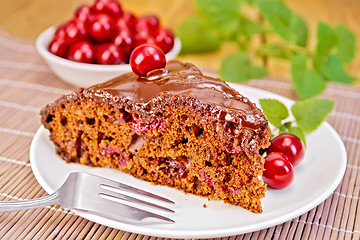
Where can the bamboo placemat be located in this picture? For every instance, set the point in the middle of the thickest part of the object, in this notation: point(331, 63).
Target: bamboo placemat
point(27, 84)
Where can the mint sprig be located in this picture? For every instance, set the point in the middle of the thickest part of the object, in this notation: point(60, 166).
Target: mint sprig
point(283, 34)
point(308, 115)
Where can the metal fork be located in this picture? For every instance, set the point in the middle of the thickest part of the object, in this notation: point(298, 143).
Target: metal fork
point(102, 196)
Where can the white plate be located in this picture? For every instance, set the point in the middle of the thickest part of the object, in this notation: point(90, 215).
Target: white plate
point(316, 177)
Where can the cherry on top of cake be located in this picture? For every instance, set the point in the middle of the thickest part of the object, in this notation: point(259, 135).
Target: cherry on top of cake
point(181, 79)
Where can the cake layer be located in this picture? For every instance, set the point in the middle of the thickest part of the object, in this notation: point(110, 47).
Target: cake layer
point(176, 127)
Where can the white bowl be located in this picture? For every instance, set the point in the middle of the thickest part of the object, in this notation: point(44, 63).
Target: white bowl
point(84, 74)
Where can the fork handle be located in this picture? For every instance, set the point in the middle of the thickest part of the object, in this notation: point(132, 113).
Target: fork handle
point(7, 206)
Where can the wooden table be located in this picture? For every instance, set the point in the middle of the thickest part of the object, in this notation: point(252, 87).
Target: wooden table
point(27, 84)
point(27, 19)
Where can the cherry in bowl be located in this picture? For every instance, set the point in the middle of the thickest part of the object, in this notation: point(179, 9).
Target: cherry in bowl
point(102, 28)
point(105, 22)
point(111, 7)
point(82, 52)
point(109, 53)
point(59, 47)
point(165, 40)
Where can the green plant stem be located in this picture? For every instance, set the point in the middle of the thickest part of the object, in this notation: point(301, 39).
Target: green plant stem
point(283, 49)
point(242, 45)
point(263, 40)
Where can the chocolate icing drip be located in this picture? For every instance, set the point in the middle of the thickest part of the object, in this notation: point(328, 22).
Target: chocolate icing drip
point(181, 80)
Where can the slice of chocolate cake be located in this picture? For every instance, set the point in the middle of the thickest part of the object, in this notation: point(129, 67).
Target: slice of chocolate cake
point(176, 127)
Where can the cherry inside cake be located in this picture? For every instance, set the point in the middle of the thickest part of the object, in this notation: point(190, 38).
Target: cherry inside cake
point(174, 127)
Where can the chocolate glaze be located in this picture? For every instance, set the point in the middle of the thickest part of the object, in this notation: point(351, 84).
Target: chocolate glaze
point(181, 80)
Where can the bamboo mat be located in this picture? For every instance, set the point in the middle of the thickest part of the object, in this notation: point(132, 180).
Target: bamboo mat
point(27, 84)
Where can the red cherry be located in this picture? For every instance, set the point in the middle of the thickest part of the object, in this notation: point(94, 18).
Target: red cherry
point(82, 52)
point(125, 41)
point(279, 172)
point(146, 58)
point(101, 28)
point(290, 145)
point(58, 47)
point(81, 26)
point(148, 23)
point(165, 40)
point(109, 53)
point(121, 24)
point(71, 32)
point(130, 20)
point(111, 7)
point(83, 13)
point(60, 32)
point(143, 37)
point(74, 32)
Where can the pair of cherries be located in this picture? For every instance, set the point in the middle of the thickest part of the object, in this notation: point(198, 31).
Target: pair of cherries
point(105, 34)
point(285, 151)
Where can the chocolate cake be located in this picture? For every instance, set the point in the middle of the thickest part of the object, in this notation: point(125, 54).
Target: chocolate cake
point(175, 127)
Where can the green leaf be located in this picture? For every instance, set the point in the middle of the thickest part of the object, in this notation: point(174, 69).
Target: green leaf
point(300, 34)
point(239, 68)
point(298, 132)
point(223, 15)
point(282, 129)
point(214, 8)
point(284, 22)
point(298, 67)
point(307, 82)
point(274, 110)
point(326, 39)
point(310, 113)
point(197, 36)
point(310, 85)
point(249, 27)
point(250, 2)
point(333, 70)
point(346, 44)
point(288, 124)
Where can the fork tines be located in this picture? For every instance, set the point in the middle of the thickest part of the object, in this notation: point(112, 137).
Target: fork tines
point(140, 202)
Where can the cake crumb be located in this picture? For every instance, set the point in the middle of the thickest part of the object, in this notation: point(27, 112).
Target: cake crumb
point(204, 206)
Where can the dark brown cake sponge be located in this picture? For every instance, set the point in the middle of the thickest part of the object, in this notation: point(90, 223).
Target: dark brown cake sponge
point(176, 127)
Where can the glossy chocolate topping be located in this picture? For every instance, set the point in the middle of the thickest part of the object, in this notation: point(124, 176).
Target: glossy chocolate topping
point(183, 80)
